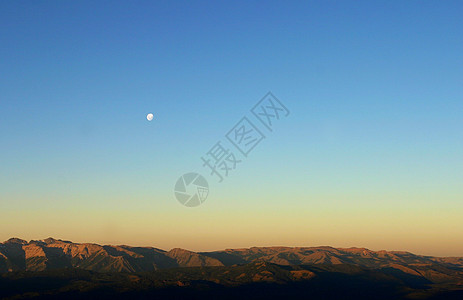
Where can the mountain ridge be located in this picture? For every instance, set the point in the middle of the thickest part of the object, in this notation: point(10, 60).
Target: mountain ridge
point(59, 269)
point(39, 255)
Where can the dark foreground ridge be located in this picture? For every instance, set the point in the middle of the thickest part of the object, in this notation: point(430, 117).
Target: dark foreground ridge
point(55, 269)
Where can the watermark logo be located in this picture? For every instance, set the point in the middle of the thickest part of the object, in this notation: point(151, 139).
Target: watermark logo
point(245, 136)
point(191, 189)
point(228, 153)
point(220, 161)
point(269, 110)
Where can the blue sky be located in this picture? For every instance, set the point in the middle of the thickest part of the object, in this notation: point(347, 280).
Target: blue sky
point(374, 89)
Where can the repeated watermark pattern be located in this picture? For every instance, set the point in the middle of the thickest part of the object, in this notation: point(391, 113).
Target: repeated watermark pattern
point(222, 158)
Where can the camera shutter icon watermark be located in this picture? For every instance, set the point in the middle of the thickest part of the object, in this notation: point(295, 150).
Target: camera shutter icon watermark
point(191, 189)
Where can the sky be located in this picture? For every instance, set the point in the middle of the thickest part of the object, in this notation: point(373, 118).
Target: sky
point(370, 155)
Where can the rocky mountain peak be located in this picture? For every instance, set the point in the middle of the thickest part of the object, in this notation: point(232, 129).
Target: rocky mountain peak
point(16, 241)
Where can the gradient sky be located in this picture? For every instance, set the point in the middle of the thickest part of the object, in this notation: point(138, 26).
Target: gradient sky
point(370, 156)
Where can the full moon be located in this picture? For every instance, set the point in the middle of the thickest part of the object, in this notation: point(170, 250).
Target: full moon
point(149, 117)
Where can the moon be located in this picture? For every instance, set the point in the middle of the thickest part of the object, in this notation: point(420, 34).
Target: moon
point(149, 117)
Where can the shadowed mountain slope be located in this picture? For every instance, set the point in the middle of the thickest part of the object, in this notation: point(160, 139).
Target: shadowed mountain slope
point(49, 254)
point(256, 280)
point(17, 255)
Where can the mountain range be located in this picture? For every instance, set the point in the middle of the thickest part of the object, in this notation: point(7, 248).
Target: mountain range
point(39, 255)
point(65, 269)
